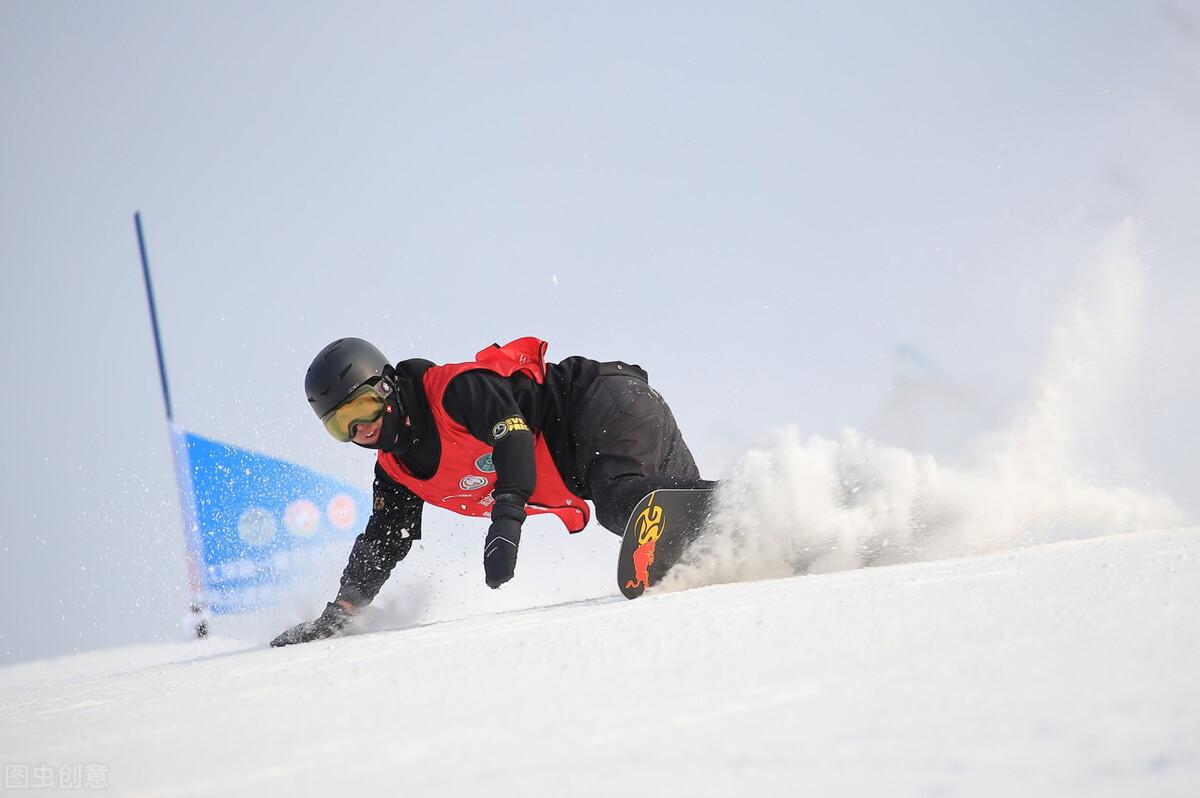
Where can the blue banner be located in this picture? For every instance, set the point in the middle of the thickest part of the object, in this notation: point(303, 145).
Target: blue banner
point(256, 521)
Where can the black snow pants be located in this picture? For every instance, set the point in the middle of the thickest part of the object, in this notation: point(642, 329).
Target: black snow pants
point(627, 444)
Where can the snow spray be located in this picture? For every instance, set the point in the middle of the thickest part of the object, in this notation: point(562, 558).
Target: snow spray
point(810, 504)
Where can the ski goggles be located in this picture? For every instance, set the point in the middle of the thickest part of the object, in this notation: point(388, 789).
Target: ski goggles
point(364, 406)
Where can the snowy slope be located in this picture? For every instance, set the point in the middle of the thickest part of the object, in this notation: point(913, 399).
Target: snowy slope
point(1064, 669)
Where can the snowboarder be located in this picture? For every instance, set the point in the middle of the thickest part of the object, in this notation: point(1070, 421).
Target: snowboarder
point(503, 436)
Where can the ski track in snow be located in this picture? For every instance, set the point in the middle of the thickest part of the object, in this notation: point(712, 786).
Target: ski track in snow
point(1062, 669)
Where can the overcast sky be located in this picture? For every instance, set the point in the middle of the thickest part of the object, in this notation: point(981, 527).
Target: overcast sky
point(781, 210)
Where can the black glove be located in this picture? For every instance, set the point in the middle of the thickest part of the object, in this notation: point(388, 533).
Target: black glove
point(332, 623)
point(500, 551)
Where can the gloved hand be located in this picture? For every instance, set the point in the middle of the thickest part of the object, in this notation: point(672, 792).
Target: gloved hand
point(500, 551)
point(332, 623)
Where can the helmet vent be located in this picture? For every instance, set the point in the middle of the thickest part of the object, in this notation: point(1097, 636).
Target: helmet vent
point(342, 373)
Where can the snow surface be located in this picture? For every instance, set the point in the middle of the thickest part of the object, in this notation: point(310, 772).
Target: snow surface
point(1030, 625)
point(1061, 669)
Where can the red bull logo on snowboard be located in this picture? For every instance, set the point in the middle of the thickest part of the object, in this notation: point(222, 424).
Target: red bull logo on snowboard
point(649, 526)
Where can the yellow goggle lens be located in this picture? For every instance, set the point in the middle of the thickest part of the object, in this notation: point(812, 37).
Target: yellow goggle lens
point(363, 407)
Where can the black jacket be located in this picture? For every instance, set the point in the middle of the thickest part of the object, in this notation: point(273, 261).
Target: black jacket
point(478, 400)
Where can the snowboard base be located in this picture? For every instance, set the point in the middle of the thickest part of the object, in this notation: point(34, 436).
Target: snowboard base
point(660, 527)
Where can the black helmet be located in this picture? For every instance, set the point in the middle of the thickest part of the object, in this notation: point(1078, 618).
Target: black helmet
point(339, 370)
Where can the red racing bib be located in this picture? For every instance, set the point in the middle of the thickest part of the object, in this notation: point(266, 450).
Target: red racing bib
point(466, 475)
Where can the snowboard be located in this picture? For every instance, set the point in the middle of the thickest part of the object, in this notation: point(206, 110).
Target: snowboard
point(659, 529)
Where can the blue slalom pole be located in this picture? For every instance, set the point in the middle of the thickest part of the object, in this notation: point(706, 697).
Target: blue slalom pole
point(199, 618)
point(162, 367)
